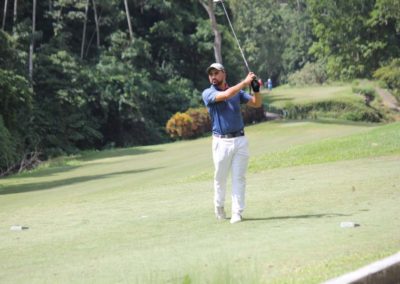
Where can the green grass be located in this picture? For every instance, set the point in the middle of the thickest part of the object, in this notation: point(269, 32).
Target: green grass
point(324, 102)
point(279, 97)
point(378, 142)
point(145, 214)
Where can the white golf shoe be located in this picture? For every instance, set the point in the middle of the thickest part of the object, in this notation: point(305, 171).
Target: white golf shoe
point(236, 218)
point(220, 213)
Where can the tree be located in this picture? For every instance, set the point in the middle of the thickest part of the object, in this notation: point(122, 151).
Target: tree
point(209, 7)
point(32, 45)
point(386, 11)
point(96, 19)
point(299, 37)
point(4, 15)
point(128, 18)
point(260, 30)
point(62, 115)
point(348, 40)
point(84, 28)
point(16, 99)
point(15, 15)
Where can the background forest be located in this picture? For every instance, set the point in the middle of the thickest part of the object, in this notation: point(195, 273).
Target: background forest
point(95, 74)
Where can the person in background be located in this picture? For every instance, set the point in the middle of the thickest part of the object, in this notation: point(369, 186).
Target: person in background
point(269, 82)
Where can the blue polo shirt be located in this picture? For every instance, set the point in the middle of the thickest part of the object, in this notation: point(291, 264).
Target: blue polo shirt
point(225, 115)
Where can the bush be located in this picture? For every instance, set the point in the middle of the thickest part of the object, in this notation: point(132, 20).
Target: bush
point(365, 90)
point(311, 74)
point(179, 125)
point(390, 75)
point(190, 124)
point(252, 115)
point(201, 122)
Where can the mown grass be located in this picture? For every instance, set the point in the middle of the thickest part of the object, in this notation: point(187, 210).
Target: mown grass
point(135, 215)
point(384, 140)
point(279, 97)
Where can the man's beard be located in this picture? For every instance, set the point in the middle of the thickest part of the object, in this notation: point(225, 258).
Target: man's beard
point(216, 82)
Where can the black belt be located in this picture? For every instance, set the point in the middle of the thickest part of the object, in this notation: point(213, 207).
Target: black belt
point(230, 135)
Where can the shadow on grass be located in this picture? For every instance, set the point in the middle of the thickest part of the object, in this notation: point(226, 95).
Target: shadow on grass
point(52, 170)
point(343, 122)
point(94, 155)
point(332, 121)
point(60, 164)
point(328, 215)
point(64, 182)
point(269, 99)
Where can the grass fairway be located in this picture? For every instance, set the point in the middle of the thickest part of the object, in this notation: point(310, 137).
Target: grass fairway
point(282, 95)
point(145, 214)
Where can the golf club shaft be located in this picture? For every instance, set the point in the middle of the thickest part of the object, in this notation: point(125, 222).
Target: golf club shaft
point(234, 34)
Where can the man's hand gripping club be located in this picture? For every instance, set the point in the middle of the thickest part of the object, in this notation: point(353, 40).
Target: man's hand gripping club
point(255, 86)
point(256, 100)
point(232, 91)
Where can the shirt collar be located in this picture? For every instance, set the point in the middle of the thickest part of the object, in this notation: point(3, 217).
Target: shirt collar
point(218, 89)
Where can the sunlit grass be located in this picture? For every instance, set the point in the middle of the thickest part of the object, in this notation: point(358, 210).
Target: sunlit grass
point(381, 141)
point(145, 214)
point(280, 96)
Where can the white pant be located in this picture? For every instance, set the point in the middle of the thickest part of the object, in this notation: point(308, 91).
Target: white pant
point(230, 154)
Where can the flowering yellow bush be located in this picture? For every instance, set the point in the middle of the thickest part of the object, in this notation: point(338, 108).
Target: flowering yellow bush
point(190, 124)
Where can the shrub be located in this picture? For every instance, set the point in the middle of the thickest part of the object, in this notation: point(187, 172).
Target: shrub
point(179, 125)
point(201, 122)
point(365, 90)
point(311, 74)
point(252, 115)
point(390, 75)
point(190, 124)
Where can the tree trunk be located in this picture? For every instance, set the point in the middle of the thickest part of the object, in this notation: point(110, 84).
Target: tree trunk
point(15, 15)
point(96, 19)
point(217, 35)
point(32, 45)
point(84, 28)
point(128, 17)
point(4, 15)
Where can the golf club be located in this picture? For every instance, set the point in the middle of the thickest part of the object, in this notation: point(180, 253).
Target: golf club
point(234, 34)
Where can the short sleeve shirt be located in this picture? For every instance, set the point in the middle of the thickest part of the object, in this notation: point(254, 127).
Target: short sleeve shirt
point(225, 116)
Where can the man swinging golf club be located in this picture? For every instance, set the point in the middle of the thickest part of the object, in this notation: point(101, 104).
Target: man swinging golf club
point(229, 144)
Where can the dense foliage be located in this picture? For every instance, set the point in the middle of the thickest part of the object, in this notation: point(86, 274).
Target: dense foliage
point(310, 74)
point(390, 75)
point(110, 73)
point(351, 37)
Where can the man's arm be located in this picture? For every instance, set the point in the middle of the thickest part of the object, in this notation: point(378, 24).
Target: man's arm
point(232, 91)
point(255, 101)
